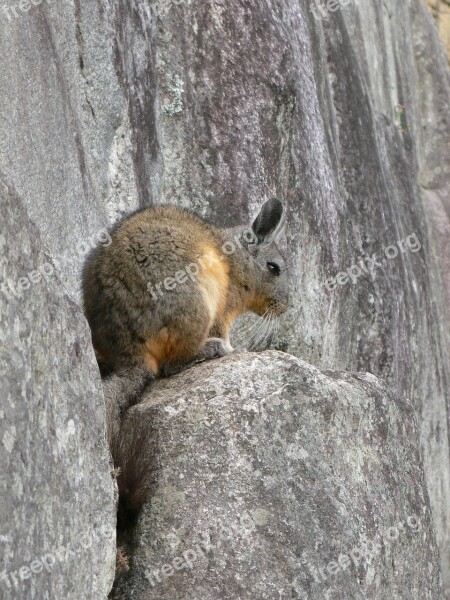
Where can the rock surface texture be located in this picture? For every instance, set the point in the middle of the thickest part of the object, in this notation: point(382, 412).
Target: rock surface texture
point(270, 479)
point(440, 9)
point(216, 105)
point(57, 509)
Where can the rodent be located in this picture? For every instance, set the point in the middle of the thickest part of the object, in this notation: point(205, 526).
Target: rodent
point(167, 289)
point(163, 295)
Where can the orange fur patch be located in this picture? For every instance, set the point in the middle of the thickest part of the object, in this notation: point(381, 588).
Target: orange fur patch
point(259, 305)
point(213, 280)
point(169, 346)
point(164, 348)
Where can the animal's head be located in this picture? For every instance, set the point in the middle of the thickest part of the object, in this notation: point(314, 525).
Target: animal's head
point(269, 272)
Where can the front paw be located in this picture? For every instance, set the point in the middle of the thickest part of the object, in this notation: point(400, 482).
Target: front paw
point(214, 348)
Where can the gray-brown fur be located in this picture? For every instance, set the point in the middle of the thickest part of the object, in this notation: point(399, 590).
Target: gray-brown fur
point(155, 244)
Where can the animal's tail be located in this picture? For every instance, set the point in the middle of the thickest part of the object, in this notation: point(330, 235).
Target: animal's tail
point(121, 391)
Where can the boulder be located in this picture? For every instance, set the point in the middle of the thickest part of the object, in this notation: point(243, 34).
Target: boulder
point(57, 509)
point(260, 476)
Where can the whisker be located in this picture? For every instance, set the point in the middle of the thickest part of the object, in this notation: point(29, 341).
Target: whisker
point(257, 335)
point(271, 332)
point(251, 329)
point(254, 324)
point(253, 339)
point(262, 332)
point(262, 320)
point(267, 340)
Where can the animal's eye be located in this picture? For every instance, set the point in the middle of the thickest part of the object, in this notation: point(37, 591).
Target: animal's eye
point(273, 268)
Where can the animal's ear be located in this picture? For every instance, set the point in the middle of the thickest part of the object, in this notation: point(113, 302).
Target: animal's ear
point(268, 220)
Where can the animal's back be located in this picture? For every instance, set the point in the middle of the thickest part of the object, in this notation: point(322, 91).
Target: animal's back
point(137, 317)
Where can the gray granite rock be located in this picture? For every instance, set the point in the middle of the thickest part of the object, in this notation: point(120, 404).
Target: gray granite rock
point(265, 478)
point(57, 508)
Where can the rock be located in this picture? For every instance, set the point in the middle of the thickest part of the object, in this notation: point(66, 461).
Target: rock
point(441, 13)
point(263, 477)
point(57, 509)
